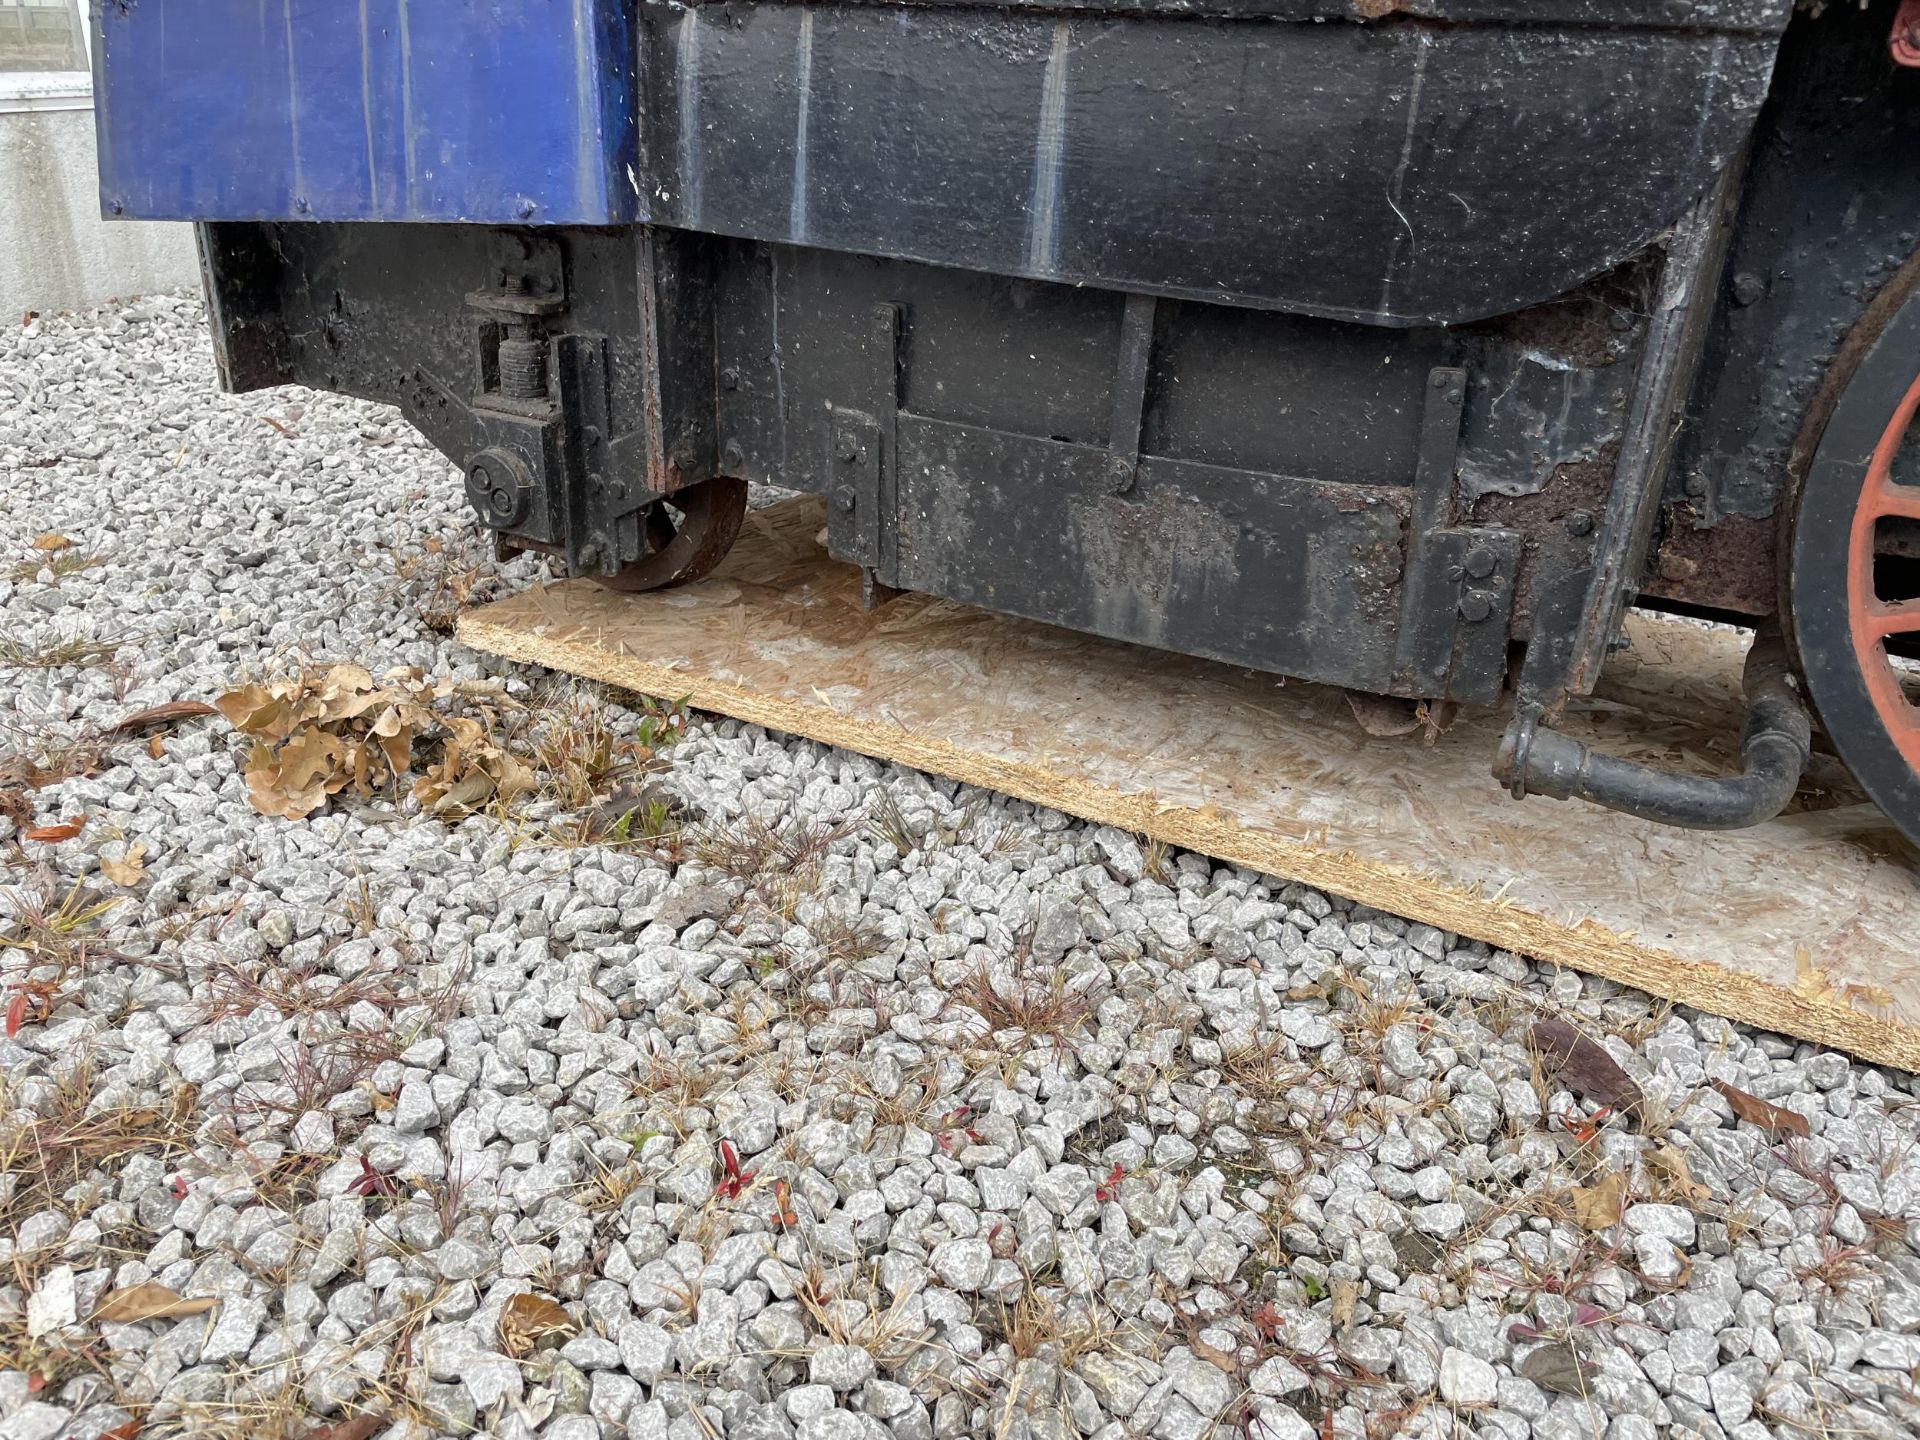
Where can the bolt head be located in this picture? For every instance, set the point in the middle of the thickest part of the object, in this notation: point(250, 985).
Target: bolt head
point(843, 497)
point(1476, 606)
point(1480, 562)
point(846, 450)
point(1580, 522)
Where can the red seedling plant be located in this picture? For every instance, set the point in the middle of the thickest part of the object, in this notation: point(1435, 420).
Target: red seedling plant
point(956, 1120)
point(735, 1180)
point(1109, 1188)
point(371, 1182)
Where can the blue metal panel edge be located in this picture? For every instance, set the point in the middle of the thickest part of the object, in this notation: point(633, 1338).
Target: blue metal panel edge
point(488, 111)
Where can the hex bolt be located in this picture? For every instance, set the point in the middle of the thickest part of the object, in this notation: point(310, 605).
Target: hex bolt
point(730, 378)
point(1476, 606)
point(1696, 485)
point(843, 497)
point(733, 457)
point(1120, 474)
point(1580, 522)
point(1748, 288)
point(1480, 562)
point(846, 449)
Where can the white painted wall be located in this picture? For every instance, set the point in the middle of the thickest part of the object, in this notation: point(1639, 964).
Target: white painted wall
point(56, 253)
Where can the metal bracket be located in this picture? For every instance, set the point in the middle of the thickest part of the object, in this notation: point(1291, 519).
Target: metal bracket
point(592, 494)
point(853, 493)
point(1482, 565)
point(1423, 649)
point(862, 496)
point(1457, 598)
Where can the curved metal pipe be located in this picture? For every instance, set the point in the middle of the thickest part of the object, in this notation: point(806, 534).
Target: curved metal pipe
point(1774, 746)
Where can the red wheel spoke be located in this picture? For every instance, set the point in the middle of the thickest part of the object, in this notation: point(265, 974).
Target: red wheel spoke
point(1892, 501)
point(1900, 618)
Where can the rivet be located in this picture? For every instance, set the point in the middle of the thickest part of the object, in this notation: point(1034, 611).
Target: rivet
point(1475, 606)
point(1480, 562)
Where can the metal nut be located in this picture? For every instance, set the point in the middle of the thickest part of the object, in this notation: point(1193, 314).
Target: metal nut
point(843, 497)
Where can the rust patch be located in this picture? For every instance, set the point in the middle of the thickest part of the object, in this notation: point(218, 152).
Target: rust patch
point(1557, 523)
point(1730, 565)
point(1589, 328)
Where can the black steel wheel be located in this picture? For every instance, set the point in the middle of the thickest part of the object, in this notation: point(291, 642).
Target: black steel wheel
point(686, 534)
point(1852, 586)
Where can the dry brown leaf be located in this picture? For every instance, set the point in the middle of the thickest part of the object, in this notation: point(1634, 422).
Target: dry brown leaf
point(358, 1428)
point(157, 746)
point(130, 869)
point(1774, 1119)
point(1583, 1065)
point(1213, 1355)
point(155, 716)
point(1346, 1294)
point(1598, 1205)
point(1670, 1166)
point(54, 834)
point(325, 730)
point(1557, 1367)
point(526, 1319)
point(150, 1302)
point(51, 543)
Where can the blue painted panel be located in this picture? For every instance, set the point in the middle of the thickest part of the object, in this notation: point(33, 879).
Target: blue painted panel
point(495, 111)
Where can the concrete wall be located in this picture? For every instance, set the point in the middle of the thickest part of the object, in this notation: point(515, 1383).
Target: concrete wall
point(56, 253)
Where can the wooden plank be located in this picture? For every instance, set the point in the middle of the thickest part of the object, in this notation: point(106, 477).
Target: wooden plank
point(1804, 925)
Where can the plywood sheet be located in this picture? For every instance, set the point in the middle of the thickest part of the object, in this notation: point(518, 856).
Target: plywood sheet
point(1806, 924)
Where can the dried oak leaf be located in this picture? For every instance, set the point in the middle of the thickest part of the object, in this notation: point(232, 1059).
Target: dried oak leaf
point(1598, 1205)
point(51, 543)
point(151, 1302)
point(1774, 1119)
point(528, 1318)
point(130, 869)
point(1556, 1367)
point(1584, 1066)
point(1669, 1166)
point(295, 780)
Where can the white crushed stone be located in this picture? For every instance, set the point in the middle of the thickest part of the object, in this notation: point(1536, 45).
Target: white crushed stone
point(1283, 1164)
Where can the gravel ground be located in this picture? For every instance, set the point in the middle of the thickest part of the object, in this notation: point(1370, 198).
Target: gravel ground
point(846, 1102)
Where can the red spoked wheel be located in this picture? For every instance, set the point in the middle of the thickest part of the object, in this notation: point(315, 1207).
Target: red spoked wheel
point(1853, 583)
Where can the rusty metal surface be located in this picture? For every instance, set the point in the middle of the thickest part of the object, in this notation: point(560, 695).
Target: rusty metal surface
point(1732, 565)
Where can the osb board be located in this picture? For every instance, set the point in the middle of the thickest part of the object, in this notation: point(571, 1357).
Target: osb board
point(1804, 925)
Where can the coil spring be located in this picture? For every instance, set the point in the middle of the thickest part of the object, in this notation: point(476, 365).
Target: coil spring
point(523, 369)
